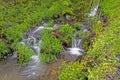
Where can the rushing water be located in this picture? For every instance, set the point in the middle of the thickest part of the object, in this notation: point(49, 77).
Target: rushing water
point(93, 11)
point(76, 49)
point(10, 70)
point(32, 39)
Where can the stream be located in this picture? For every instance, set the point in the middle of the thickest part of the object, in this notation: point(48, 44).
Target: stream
point(35, 70)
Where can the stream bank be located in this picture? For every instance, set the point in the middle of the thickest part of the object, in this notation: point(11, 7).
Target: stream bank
point(100, 58)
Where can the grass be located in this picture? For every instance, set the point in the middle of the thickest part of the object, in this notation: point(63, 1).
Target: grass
point(101, 59)
point(24, 53)
point(54, 42)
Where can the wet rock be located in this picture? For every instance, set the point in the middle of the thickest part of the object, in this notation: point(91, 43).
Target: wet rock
point(56, 25)
point(86, 27)
point(5, 57)
point(67, 57)
point(44, 22)
point(66, 45)
point(35, 32)
point(67, 17)
point(92, 35)
point(14, 55)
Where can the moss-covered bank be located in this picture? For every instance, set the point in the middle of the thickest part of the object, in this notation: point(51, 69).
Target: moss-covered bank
point(102, 57)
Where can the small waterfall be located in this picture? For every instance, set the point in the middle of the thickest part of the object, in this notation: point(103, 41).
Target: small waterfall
point(32, 39)
point(76, 49)
point(76, 43)
point(93, 11)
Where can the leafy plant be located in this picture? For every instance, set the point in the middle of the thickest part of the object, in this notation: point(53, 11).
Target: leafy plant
point(3, 48)
point(66, 36)
point(73, 71)
point(101, 60)
point(103, 48)
point(46, 58)
point(24, 53)
point(51, 46)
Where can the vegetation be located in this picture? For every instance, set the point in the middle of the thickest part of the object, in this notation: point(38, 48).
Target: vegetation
point(101, 59)
point(3, 49)
point(66, 35)
point(102, 43)
point(17, 16)
point(24, 53)
point(51, 46)
point(54, 42)
point(73, 72)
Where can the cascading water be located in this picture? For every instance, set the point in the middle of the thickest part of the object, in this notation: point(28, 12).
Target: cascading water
point(93, 11)
point(34, 67)
point(76, 49)
point(32, 39)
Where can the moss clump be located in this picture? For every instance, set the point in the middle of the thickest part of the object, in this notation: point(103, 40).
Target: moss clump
point(3, 49)
point(51, 46)
point(73, 71)
point(100, 61)
point(24, 53)
point(66, 35)
point(54, 42)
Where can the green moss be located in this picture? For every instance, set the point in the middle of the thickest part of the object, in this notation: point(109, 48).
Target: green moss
point(3, 48)
point(73, 71)
point(66, 35)
point(51, 45)
point(100, 61)
point(24, 53)
point(46, 58)
point(54, 41)
point(105, 46)
point(18, 17)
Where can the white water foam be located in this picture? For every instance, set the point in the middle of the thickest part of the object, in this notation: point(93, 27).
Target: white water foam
point(34, 67)
point(93, 12)
point(76, 49)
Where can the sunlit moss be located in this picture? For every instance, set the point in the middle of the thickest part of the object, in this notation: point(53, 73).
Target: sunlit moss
point(24, 53)
point(3, 49)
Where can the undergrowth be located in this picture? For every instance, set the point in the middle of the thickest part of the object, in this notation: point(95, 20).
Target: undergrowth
point(18, 16)
point(101, 60)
